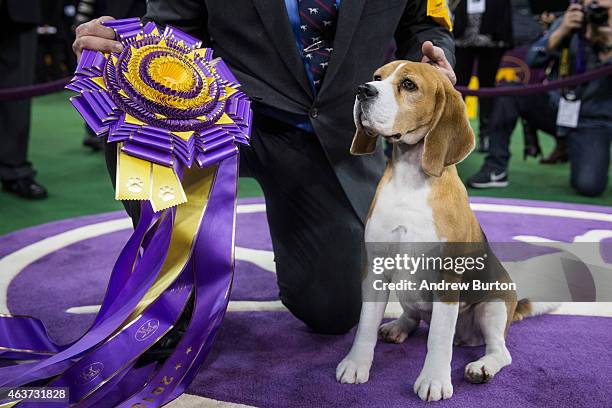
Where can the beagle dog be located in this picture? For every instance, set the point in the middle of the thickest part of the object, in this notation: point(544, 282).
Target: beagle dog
point(420, 198)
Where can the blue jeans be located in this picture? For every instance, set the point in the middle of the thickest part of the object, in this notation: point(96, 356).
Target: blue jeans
point(589, 144)
point(589, 148)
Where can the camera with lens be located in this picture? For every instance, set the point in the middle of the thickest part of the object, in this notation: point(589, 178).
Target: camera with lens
point(595, 14)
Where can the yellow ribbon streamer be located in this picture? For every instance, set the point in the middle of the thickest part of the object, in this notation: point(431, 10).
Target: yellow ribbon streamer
point(438, 11)
point(139, 179)
point(198, 185)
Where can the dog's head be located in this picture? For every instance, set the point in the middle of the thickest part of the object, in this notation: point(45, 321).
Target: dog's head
point(409, 102)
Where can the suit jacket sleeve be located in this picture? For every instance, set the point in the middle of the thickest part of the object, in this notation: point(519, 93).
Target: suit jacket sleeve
point(27, 12)
point(189, 16)
point(538, 55)
point(415, 27)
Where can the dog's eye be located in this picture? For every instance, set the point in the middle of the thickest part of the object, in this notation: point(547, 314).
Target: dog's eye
point(408, 85)
point(377, 78)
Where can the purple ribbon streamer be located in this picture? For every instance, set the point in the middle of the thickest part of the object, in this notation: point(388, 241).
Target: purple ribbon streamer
point(210, 268)
point(140, 280)
point(212, 262)
point(158, 318)
point(99, 367)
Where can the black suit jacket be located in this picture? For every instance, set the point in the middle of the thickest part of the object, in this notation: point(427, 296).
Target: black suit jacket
point(28, 12)
point(125, 8)
point(256, 40)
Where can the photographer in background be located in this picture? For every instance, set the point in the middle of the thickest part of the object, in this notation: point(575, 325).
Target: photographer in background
point(580, 40)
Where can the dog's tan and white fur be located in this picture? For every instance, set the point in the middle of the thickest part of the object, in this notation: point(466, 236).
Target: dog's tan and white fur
point(420, 198)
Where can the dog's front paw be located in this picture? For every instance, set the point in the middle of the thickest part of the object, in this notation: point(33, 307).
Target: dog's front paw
point(353, 370)
point(433, 385)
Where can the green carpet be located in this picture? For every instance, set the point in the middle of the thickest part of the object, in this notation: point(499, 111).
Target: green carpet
point(79, 185)
point(529, 179)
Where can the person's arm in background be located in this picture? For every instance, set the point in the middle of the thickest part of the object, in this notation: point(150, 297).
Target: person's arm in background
point(539, 54)
point(420, 38)
point(570, 22)
point(187, 15)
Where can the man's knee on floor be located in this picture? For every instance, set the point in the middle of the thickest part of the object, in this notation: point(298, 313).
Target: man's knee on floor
point(326, 312)
point(588, 185)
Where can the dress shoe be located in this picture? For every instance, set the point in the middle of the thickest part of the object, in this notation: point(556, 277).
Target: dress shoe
point(25, 188)
point(559, 155)
point(93, 142)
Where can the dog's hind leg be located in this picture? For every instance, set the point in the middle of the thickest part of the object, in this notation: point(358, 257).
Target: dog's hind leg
point(355, 367)
point(492, 318)
point(398, 330)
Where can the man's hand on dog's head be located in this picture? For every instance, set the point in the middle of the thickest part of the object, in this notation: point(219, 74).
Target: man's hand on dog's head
point(435, 56)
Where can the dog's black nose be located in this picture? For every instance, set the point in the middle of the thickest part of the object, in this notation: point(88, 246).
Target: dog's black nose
point(366, 91)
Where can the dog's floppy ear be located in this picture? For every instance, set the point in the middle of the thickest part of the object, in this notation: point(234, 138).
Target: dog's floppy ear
point(362, 143)
point(450, 138)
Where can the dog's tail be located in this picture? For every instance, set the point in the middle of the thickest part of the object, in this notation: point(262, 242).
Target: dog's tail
point(526, 308)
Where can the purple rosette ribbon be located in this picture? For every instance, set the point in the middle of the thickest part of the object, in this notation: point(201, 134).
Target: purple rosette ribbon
point(176, 116)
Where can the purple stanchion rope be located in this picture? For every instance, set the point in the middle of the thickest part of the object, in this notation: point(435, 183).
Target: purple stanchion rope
point(538, 88)
point(30, 91)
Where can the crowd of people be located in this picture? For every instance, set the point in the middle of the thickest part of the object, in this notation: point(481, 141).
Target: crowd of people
point(580, 118)
point(560, 40)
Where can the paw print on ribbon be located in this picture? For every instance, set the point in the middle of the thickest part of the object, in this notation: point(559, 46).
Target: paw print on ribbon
point(167, 193)
point(134, 184)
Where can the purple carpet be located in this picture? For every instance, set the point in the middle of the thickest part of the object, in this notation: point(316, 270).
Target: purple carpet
point(270, 359)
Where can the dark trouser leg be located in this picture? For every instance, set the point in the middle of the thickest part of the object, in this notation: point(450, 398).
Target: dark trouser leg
point(132, 207)
point(316, 235)
point(17, 65)
point(464, 65)
point(506, 111)
point(488, 64)
point(589, 149)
